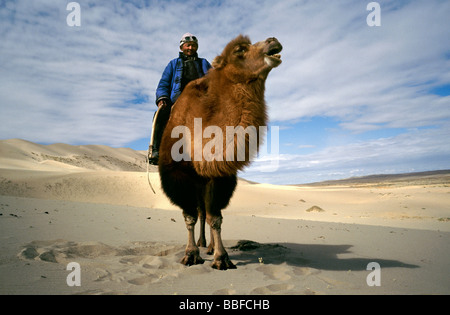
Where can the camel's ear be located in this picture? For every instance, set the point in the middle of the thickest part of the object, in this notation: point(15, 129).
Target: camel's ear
point(218, 62)
point(201, 84)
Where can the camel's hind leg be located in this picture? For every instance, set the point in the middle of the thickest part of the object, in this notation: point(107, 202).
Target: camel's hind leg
point(202, 215)
point(192, 254)
point(210, 250)
point(202, 239)
point(217, 195)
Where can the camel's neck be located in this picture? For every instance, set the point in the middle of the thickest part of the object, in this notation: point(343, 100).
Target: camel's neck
point(239, 110)
point(249, 100)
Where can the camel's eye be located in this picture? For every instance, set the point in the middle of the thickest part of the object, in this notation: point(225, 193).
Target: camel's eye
point(240, 50)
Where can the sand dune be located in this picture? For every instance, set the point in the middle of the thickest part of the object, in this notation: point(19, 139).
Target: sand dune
point(92, 205)
point(21, 154)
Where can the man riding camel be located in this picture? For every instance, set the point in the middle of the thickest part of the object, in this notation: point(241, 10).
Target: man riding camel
point(178, 73)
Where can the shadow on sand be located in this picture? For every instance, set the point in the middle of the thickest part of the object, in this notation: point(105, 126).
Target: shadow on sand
point(325, 257)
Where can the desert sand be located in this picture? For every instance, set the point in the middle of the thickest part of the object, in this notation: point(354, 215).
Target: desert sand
point(93, 205)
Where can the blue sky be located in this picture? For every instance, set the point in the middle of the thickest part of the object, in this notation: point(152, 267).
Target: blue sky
point(349, 99)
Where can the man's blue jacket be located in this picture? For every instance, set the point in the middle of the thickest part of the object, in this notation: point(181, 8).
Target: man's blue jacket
point(169, 86)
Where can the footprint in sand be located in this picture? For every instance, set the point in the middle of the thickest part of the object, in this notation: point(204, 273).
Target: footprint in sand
point(275, 272)
point(60, 251)
point(224, 292)
point(272, 288)
point(138, 263)
point(305, 271)
point(144, 279)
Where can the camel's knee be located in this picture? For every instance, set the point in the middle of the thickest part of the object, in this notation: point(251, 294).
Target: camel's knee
point(215, 222)
point(190, 220)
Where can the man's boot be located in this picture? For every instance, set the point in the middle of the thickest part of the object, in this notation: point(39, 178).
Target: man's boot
point(159, 123)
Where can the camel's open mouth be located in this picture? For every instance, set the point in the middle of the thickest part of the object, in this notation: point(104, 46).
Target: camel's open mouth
point(273, 56)
point(274, 52)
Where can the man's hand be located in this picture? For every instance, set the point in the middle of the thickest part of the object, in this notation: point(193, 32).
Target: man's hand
point(162, 103)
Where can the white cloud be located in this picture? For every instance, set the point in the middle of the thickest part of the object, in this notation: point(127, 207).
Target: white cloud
point(79, 85)
point(416, 150)
point(348, 68)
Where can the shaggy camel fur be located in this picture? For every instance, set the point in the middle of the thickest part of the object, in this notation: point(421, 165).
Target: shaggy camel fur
point(230, 95)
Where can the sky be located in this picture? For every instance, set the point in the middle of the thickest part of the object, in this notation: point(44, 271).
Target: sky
point(348, 100)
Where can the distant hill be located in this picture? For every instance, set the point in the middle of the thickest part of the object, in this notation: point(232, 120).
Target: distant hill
point(418, 178)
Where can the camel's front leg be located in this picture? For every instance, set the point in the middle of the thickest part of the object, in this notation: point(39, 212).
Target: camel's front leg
point(221, 259)
point(192, 254)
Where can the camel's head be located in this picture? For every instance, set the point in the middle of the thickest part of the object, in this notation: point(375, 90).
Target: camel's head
point(245, 61)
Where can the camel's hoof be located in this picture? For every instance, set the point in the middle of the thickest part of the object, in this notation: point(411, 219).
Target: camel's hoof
point(201, 243)
point(223, 263)
point(192, 259)
point(210, 250)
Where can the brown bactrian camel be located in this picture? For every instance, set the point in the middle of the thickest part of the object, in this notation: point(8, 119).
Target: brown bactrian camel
point(201, 148)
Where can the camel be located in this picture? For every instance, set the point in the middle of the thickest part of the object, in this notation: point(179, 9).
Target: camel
point(231, 94)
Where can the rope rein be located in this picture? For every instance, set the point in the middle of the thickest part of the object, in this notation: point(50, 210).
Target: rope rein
point(148, 171)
